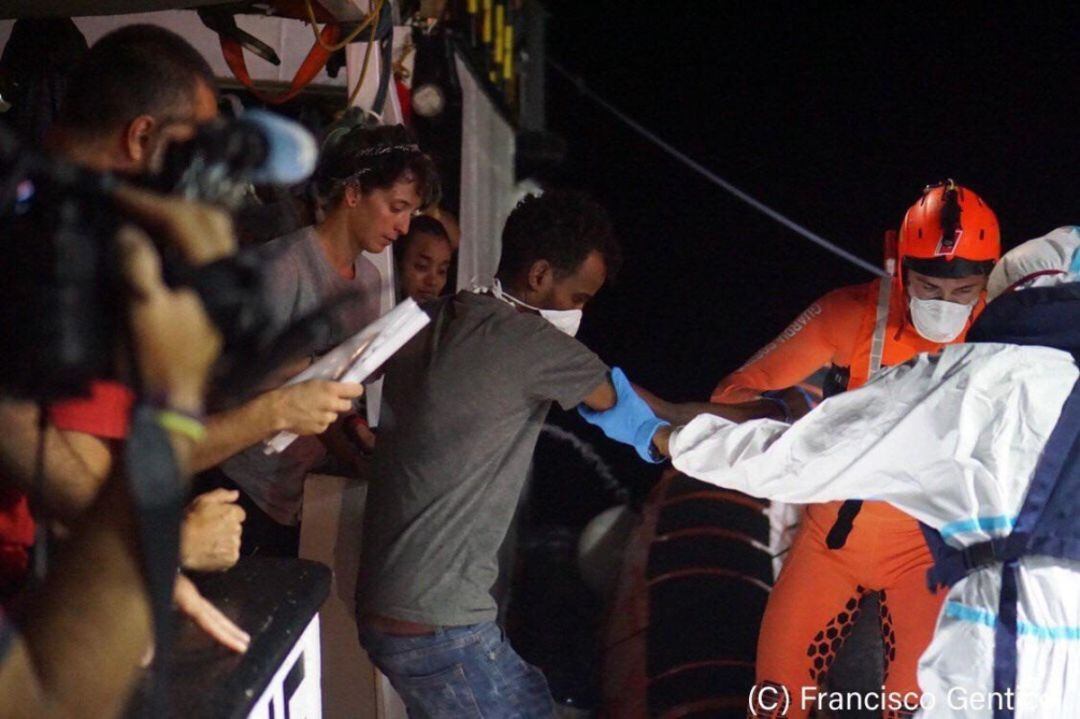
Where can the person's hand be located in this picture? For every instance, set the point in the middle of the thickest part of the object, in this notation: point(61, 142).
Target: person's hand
point(203, 233)
point(175, 342)
point(208, 617)
point(631, 421)
point(210, 532)
point(793, 402)
point(311, 407)
point(361, 435)
point(798, 401)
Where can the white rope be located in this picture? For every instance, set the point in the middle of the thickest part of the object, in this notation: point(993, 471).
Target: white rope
point(592, 458)
point(713, 177)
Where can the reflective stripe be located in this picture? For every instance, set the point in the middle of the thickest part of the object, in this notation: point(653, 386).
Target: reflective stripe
point(976, 615)
point(985, 524)
point(881, 324)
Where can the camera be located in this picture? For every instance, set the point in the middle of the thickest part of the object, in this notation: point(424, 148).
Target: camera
point(62, 298)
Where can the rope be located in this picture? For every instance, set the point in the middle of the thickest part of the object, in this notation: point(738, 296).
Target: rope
point(713, 177)
point(367, 53)
point(591, 457)
point(369, 20)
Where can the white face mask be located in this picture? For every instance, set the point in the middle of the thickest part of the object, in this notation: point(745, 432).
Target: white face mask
point(939, 320)
point(567, 321)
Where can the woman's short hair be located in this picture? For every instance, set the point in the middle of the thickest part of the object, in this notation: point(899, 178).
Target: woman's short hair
point(375, 158)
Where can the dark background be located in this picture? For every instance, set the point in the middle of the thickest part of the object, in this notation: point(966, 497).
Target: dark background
point(835, 118)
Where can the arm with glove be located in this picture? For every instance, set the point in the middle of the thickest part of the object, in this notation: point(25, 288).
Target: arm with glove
point(642, 420)
point(785, 405)
point(628, 419)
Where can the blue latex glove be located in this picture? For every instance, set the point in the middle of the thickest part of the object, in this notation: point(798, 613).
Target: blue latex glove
point(777, 396)
point(630, 421)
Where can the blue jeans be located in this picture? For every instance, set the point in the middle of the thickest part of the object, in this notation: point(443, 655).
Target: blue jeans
point(459, 673)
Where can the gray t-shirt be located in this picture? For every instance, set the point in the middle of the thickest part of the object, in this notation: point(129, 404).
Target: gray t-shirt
point(299, 279)
point(462, 408)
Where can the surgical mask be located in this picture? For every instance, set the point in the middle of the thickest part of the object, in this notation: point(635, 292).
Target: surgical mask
point(939, 321)
point(567, 321)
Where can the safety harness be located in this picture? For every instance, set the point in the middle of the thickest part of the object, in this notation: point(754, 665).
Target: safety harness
point(849, 510)
point(1048, 524)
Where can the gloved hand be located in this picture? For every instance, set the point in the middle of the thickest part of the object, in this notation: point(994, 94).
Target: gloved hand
point(630, 421)
point(795, 402)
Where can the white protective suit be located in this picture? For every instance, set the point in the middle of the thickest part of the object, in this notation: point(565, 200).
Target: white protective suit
point(952, 440)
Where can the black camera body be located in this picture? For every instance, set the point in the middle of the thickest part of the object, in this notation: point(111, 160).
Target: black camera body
point(62, 298)
point(59, 299)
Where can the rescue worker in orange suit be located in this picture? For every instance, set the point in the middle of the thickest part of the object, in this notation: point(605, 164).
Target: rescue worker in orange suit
point(947, 245)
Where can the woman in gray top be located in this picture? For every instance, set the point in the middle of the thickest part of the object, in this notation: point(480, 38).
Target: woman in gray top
point(370, 181)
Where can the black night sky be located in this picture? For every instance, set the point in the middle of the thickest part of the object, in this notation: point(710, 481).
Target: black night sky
point(835, 118)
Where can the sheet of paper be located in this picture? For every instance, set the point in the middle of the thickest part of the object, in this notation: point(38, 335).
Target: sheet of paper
point(358, 357)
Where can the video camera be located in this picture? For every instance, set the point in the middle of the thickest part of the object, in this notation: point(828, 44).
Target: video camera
point(62, 298)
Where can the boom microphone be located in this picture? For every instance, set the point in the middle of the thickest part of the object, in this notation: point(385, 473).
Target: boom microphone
point(291, 151)
point(223, 158)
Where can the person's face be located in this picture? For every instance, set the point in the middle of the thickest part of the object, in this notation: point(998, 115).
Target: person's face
point(379, 217)
point(424, 267)
point(573, 291)
point(961, 290)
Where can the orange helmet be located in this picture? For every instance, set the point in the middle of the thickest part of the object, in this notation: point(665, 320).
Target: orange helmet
point(949, 232)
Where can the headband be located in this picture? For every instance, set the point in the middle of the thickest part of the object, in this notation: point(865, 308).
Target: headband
point(376, 150)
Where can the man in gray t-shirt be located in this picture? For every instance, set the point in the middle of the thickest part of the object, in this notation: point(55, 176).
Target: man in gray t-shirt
point(463, 404)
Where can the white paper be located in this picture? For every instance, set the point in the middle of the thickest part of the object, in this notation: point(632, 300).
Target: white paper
point(355, 359)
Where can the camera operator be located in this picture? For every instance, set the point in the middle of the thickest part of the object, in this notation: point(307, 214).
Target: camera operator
point(78, 649)
point(136, 90)
point(163, 92)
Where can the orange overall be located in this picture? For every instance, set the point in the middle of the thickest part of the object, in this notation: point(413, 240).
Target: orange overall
point(819, 591)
